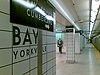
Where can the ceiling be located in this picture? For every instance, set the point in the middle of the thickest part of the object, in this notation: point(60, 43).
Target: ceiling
point(61, 22)
point(61, 19)
point(78, 11)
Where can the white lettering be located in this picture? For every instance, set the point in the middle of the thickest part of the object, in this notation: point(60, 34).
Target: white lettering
point(28, 10)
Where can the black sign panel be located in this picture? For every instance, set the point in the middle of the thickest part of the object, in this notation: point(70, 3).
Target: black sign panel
point(31, 13)
point(69, 30)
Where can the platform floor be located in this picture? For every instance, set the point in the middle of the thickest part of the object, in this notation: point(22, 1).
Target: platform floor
point(87, 63)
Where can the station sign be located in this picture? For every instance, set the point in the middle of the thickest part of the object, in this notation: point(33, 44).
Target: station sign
point(38, 14)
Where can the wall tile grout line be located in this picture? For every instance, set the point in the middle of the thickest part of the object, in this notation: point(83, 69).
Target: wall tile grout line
point(24, 59)
point(5, 30)
point(17, 46)
point(29, 71)
point(49, 35)
point(6, 48)
point(23, 46)
point(17, 62)
point(48, 60)
point(4, 13)
point(54, 73)
point(49, 69)
point(5, 65)
point(29, 58)
point(48, 52)
point(12, 50)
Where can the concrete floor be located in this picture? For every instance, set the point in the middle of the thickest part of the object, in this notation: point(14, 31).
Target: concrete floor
point(87, 63)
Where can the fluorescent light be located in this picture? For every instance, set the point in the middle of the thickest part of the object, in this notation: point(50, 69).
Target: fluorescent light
point(92, 19)
point(65, 14)
point(91, 26)
point(25, 3)
point(93, 16)
point(49, 17)
point(40, 11)
point(95, 5)
point(43, 13)
point(93, 13)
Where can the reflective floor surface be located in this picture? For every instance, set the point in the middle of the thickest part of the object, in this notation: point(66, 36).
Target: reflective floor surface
point(87, 63)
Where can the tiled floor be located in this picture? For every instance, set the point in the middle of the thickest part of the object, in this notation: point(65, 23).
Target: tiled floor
point(87, 63)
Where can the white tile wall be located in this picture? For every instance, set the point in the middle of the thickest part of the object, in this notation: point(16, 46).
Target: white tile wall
point(45, 74)
point(21, 68)
point(53, 47)
point(51, 33)
point(33, 53)
point(33, 39)
point(49, 56)
point(6, 70)
point(33, 63)
point(49, 72)
point(4, 22)
point(4, 6)
point(44, 40)
point(50, 39)
point(33, 72)
point(22, 28)
point(77, 42)
point(5, 39)
point(70, 47)
point(49, 65)
point(54, 74)
point(5, 57)
point(54, 40)
point(49, 47)
point(54, 69)
point(20, 54)
point(44, 56)
point(44, 68)
point(53, 62)
point(44, 32)
point(22, 36)
point(50, 53)
point(27, 74)
point(31, 30)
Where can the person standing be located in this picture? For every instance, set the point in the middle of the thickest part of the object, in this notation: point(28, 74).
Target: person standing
point(60, 45)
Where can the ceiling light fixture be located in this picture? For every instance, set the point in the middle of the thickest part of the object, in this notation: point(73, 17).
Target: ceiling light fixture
point(26, 3)
point(40, 11)
point(49, 17)
point(94, 12)
point(43, 13)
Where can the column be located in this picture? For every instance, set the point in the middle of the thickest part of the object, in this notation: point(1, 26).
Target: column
point(70, 45)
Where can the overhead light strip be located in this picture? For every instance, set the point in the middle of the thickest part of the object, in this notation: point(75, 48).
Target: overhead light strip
point(40, 11)
point(43, 13)
point(26, 3)
point(66, 15)
point(94, 13)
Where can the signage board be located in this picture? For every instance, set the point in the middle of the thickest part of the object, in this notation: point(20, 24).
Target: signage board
point(38, 14)
point(69, 30)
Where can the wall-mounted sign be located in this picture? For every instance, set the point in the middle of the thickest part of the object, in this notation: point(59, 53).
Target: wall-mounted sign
point(38, 14)
point(22, 41)
point(69, 30)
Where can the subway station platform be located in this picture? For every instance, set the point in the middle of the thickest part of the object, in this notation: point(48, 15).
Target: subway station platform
point(87, 63)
